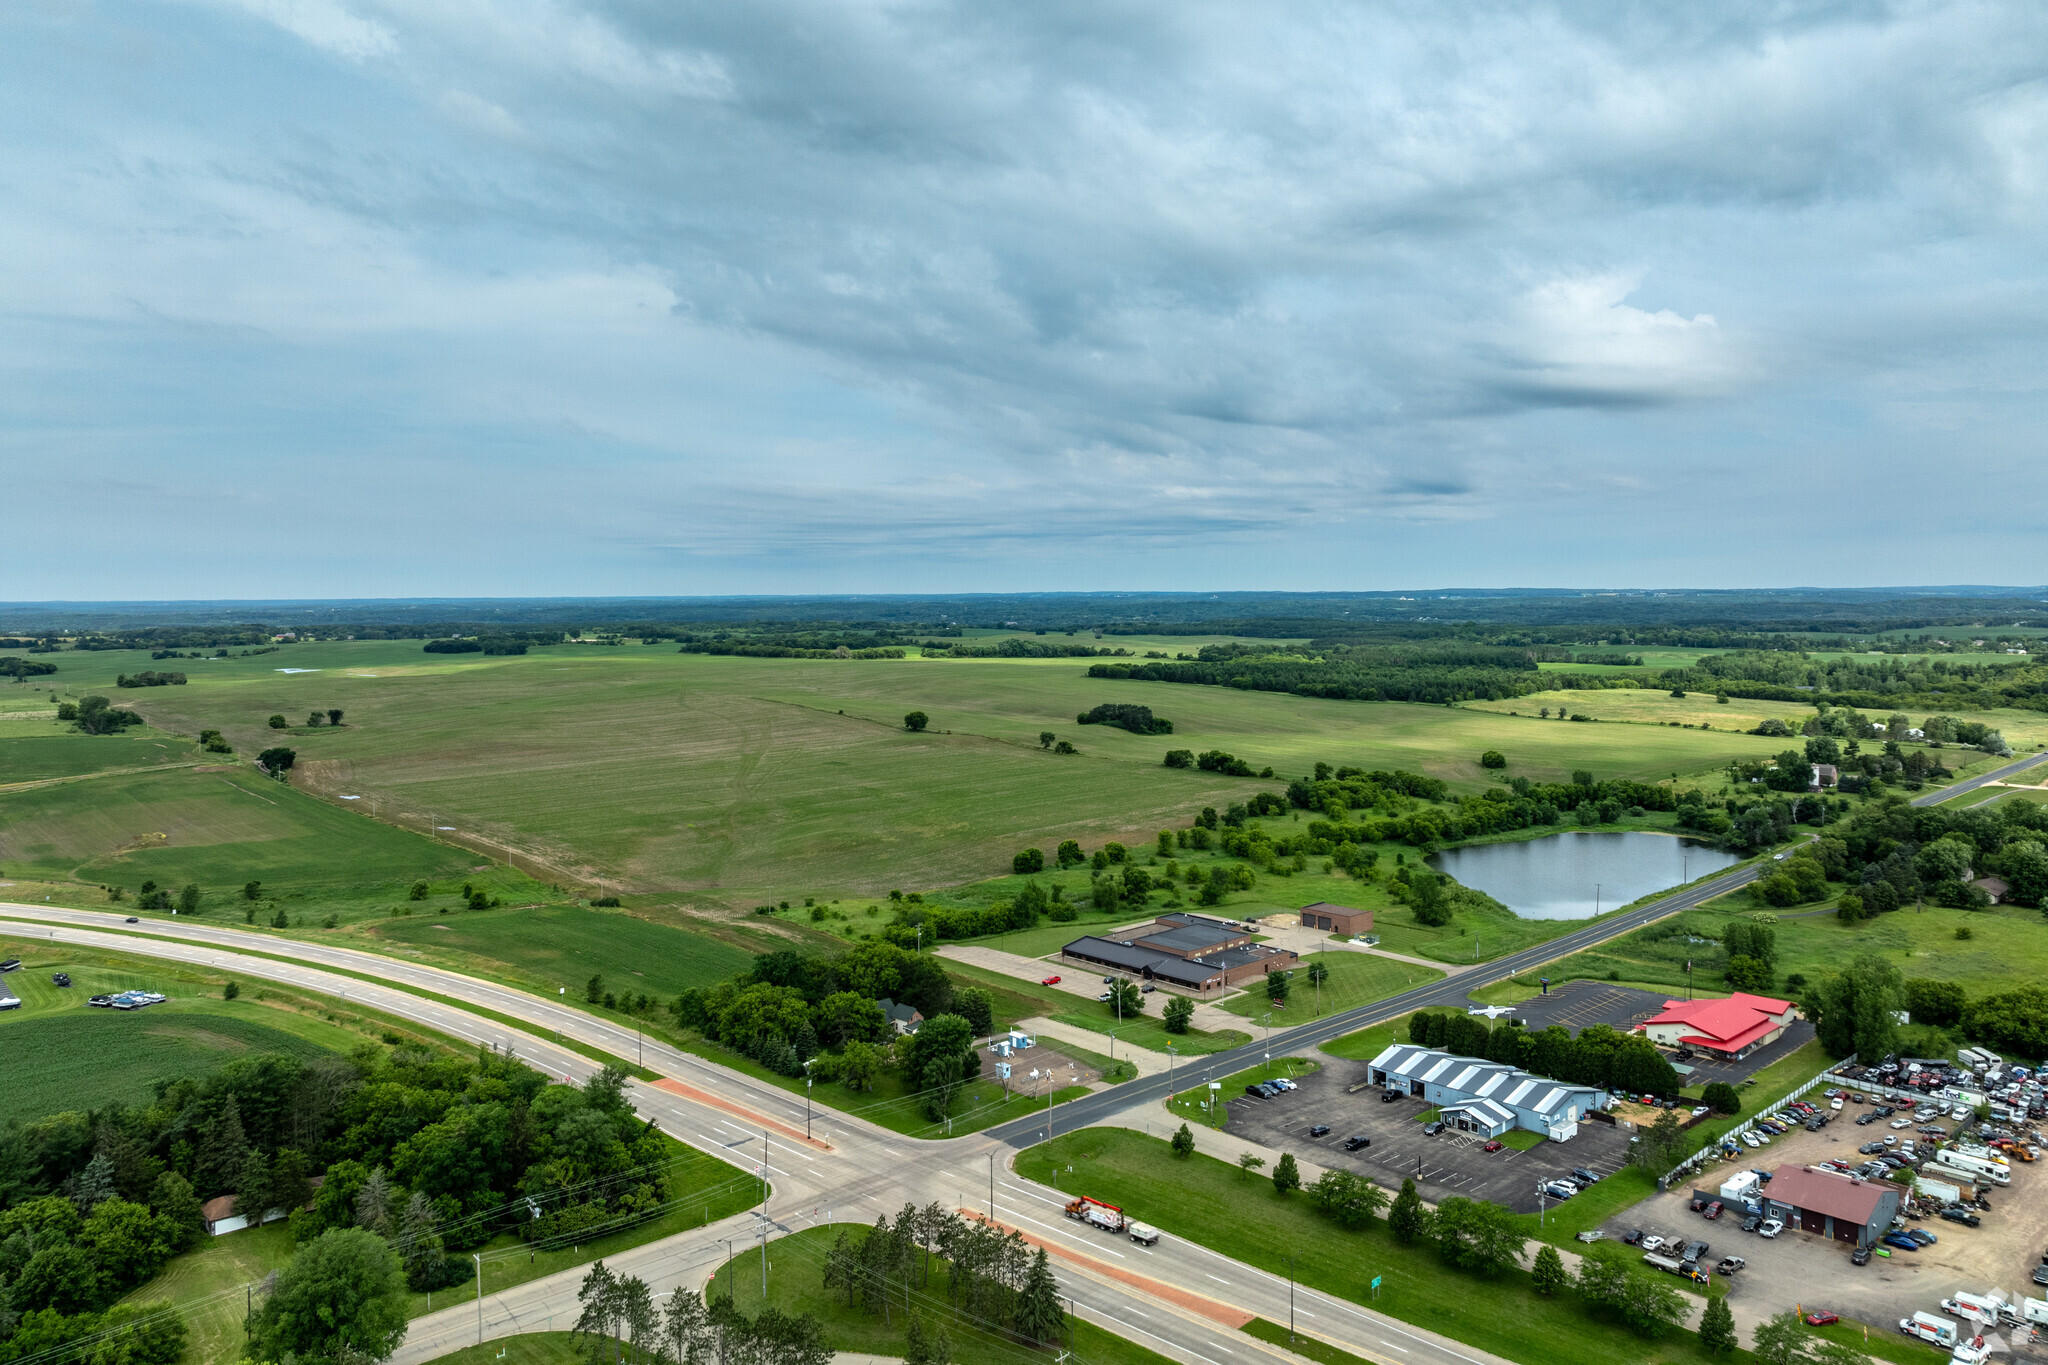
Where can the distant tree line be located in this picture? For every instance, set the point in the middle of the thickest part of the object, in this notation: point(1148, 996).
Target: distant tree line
point(150, 679)
point(1016, 647)
point(14, 666)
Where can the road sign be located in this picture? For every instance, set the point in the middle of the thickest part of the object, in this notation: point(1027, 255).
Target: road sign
point(1215, 1085)
point(1375, 1282)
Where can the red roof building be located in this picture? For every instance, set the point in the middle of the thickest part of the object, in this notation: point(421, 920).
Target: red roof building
point(1832, 1203)
point(1733, 1026)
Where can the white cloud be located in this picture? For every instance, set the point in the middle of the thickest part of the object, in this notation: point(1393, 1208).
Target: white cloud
point(1576, 337)
point(325, 24)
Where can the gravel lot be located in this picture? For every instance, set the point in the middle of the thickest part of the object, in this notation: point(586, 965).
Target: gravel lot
point(1803, 1269)
point(1449, 1163)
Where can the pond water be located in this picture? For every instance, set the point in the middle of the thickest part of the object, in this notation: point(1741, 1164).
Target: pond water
point(1564, 876)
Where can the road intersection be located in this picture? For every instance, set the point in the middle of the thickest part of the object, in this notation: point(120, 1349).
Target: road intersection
point(1180, 1299)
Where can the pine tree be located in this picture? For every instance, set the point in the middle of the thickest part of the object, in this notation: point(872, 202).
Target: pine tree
point(916, 1349)
point(373, 1204)
point(599, 1295)
point(222, 1149)
point(1407, 1219)
point(1286, 1175)
point(94, 1185)
point(178, 1206)
point(1038, 1307)
point(1183, 1141)
point(419, 1244)
point(1717, 1326)
point(255, 1193)
point(1547, 1273)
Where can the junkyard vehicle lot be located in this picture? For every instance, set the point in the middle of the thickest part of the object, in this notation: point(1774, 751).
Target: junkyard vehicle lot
point(1803, 1269)
point(1449, 1163)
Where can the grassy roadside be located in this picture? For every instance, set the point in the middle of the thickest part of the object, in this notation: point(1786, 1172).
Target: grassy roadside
point(1210, 1202)
point(1193, 1104)
point(1015, 999)
point(795, 1285)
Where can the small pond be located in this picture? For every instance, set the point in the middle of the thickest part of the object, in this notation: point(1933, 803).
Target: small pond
point(1563, 876)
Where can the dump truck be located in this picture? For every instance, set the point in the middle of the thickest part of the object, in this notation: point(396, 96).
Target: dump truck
point(1097, 1214)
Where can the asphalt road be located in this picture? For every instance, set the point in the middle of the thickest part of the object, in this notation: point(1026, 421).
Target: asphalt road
point(1087, 1111)
point(861, 1170)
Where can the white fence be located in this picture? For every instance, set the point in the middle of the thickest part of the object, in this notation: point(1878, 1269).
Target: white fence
point(1693, 1162)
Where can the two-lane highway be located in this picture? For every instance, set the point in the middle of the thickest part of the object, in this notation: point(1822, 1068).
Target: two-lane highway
point(1094, 1108)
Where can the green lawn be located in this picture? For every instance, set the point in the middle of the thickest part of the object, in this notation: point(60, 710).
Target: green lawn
point(528, 1348)
point(1193, 1102)
point(2007, 946)
point(1355, 979)
point(1024, 999)
point(210, 1286)
point(795, 1285)
point(1211, 1202)
point(553, 946)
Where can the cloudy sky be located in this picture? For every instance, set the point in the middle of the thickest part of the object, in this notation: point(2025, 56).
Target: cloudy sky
point(504, 297)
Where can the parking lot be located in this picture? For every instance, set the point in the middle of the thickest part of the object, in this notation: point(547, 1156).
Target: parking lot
point(1580, 1004)
point(1803, 1269)
point(1449, 1163)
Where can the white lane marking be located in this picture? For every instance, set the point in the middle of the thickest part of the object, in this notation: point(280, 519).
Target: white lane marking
point(1219, 1279)
point(1049, 1228)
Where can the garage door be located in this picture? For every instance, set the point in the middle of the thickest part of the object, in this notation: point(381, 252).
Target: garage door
point(1813, 1222)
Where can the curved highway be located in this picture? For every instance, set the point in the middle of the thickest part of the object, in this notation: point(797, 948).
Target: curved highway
point(1179, 1300)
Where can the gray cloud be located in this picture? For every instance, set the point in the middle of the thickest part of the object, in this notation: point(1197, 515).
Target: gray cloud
point(1058, 290)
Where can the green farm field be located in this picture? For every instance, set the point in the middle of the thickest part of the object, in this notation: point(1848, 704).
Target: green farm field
point(740, 780)
point(218, 826)
point(40, 757)
point(550, 947)
point(86, 1058)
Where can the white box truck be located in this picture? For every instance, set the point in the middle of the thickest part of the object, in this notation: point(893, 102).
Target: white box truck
point(2034, 1311)
point(1929, 1328)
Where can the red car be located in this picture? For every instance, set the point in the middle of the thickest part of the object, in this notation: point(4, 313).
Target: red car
point(1050, 981)
point(1493, 1146)
point(1714, 1209)
point(1822, 1319)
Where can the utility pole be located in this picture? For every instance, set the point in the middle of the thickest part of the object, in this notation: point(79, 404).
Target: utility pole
point(1290, 1299)
point(478, 1258)
point(764, 1216)
point(991, 1189)
point(1596, 900)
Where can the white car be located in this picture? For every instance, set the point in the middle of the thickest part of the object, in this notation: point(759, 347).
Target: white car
point(1701, 1110)
point(1652, 1243)
point(1900, 1123)
point(1750, 1138)
point(1834, 1104)
point(1771, 1227)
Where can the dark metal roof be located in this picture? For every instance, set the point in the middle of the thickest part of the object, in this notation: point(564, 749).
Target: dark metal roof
point(1166, 966)
point(1189, 939)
